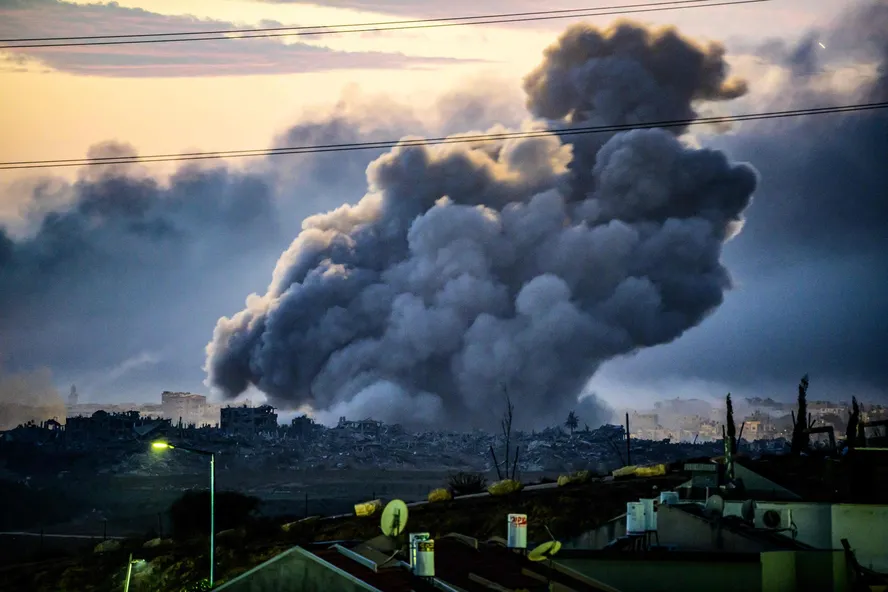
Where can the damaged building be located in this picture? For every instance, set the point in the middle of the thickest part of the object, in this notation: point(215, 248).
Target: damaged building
point(249, 421)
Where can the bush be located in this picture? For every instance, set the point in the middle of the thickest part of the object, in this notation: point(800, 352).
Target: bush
point(190, 514)
point(467, 483)
point(199, 586)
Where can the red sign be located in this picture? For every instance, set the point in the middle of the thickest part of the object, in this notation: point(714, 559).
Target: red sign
point(518, 520)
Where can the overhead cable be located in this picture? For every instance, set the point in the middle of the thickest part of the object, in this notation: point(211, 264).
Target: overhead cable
point(455, 139)
point(372, 27)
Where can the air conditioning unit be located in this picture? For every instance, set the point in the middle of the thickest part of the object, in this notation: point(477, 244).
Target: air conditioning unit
point(773, 518)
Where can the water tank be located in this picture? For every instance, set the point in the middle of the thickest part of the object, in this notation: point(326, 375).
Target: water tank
point(517, 533)
point(635, 523)
point(650, 514)
point(668, 498)
point(415, 537)
point(425, 559)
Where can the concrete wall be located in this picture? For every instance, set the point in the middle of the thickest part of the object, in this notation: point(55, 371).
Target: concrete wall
point(668, 576)
point(823, 526)
point(674, 527)
point(866, 528)
point(804, 571)
point(296, 569)
point(753, 482)
point(813, 521)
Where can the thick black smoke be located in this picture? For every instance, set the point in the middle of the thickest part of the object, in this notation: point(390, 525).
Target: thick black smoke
point(812, 261)
point(470, 270)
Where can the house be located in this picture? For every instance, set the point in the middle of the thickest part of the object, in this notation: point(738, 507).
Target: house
point(460, 564)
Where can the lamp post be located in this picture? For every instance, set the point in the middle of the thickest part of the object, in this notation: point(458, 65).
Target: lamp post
point(129, 571)
point(212, 455)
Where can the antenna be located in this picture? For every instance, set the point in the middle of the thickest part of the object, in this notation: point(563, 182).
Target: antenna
point(715, 506)
point(545, 552)
point(394, 518)
point(393, 524)
point(747, 511)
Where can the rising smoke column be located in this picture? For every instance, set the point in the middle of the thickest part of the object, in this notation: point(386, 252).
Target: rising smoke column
point(524, 265)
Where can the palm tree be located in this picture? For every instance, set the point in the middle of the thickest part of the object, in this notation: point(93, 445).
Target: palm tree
point(572, 422)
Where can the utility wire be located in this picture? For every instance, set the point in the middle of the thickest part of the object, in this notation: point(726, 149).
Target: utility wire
point(459, 21)
point(459, 139)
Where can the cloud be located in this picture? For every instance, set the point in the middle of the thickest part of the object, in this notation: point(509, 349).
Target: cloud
point(54, 18)
point(470, 270)
point(116, 279)
point(811, 259)
point(420, 9)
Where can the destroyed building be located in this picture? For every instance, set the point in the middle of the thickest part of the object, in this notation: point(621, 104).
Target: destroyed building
point(248, 421)
point(102, 425)
point(366, 427)
point(190, 408)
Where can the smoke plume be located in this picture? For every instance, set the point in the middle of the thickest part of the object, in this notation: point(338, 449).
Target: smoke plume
point(28, 397)
point(469, 271)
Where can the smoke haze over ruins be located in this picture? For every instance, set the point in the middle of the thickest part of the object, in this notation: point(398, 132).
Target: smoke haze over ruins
point(470, 270)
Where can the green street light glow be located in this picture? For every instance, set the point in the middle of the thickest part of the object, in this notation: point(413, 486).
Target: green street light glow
point(160, 445)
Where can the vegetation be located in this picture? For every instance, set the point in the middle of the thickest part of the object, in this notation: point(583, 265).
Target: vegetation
point(732, 427)
point(566, 511)
point(572, 422)
point(801, 439)
point(506, 425)
point(853, 422)
point(466, 483)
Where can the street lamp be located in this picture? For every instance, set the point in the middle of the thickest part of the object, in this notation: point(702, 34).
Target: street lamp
point(129, 570)
point(212, 455)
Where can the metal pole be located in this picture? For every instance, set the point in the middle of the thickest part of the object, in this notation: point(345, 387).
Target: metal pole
point(212, 515)
point(129, 573)
point(628, 446)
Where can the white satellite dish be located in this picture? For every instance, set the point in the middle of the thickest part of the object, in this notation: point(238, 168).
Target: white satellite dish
point(715, 506)
point(394, 519)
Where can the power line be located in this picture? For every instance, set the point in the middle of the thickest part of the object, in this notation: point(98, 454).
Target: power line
point(374, 27)
point(461, 139)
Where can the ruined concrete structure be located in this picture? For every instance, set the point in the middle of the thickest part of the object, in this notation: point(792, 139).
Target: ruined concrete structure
point(102, 425)
point(248, 421)
point(190, 408)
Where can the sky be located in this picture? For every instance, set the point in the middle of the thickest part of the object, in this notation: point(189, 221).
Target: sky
point(114, 278)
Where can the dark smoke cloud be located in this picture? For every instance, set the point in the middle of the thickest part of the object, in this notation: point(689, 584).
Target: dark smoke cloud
point(811, 261)
point(467, 270)
point(113, 280)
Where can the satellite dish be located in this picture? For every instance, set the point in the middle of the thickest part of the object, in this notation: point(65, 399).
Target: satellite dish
point(545, 551)
point(394, 518)
point(747, 511)
point(715, 505)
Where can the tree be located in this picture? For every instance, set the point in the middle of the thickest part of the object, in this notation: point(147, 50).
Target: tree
point(853, 422)
point(506, 425)
point(801, 439)
point(572, 422)
point(732, 427)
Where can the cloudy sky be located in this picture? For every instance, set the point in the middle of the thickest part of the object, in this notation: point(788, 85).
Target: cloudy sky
point(114, 278)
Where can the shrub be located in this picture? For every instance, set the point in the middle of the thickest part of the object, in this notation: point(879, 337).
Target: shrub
point(467, 483)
